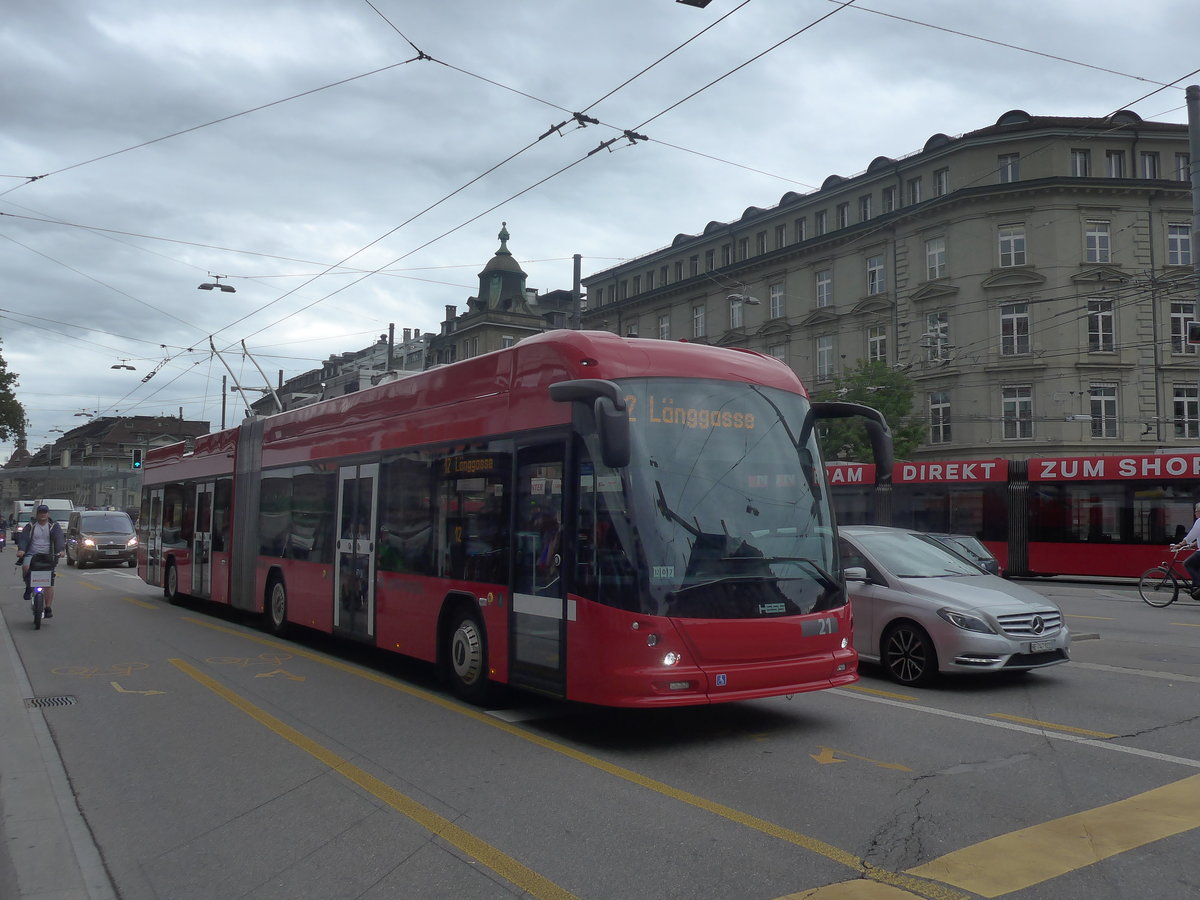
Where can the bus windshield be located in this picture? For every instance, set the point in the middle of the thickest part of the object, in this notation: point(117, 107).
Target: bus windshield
point(734, 520)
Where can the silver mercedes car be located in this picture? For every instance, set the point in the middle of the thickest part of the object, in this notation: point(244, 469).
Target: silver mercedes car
point(920, 609)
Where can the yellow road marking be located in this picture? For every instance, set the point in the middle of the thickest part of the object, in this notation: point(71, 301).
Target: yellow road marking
point(829, 755)
point(813, 845)
point(141, 603)
point(1098, 618)
point(1063, 845)
point(1037, 724)
point(877, 693)
point(89, 585)
point(499, 862)
point(1187, 624)
point(859, 889)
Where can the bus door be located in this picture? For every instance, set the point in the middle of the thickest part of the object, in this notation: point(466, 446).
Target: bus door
point(152, 531)
point(354, 574)
point(540, 610)
point(202, 541)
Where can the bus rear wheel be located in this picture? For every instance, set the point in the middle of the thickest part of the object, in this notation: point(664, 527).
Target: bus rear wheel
point(466, 656)
point(275, 609)
point(171, 584)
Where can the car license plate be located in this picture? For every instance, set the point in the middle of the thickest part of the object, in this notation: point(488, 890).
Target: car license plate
point(1040, 646)
point(111, 552)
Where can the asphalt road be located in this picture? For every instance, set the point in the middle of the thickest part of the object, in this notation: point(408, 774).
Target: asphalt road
point(202, 759)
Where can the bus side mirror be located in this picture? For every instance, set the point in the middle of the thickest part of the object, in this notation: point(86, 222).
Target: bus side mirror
point(608, 409)
point(612, 425)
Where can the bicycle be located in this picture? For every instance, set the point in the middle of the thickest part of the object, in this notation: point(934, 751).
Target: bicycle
point(1159, 586)
point(41, 577)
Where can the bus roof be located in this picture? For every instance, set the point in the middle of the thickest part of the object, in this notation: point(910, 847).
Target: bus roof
point(505, 390)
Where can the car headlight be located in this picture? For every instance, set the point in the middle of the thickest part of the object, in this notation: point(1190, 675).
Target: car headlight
point(132, 542)
point(88, 542)
point(966, 621)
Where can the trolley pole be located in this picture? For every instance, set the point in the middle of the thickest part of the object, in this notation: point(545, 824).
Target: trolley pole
point(1193, 111)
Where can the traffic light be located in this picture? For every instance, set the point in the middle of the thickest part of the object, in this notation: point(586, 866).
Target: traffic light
point(137, 459)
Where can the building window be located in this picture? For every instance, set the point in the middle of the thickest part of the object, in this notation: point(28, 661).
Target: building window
point(650, 280)
point(631, 330)
point(1179, 245)
point(877, 343)
point(843, 215)
point(622, 289)
point(822, 220)
point(1008, 168)
point(698, 320)
point(939, 417)
point(1103, 398)
point(710, 260)
point(889, 199)
point(824, 358)
point(506, 341)
point(679, 269)
point(760, 243)
point(1187, 411)
point(941, 182)
point(864, 208)
point(1183, 167)
point(726, 254)
point(1081, 163)
point(1017, 411)
point(1014, 329)
point(637, 284)
point(780, 236)
point(778, 351)
point(1182, 312)
point(1148, 164)
point(663, 275)
point(735, 313)
point(1012, 245)
point(743, 250)
point(801, 230)
point(1115, 163)
point(694, 263)
point(1100, 326)
point(825, 287)
point(876, 280)
point(935, 258)
point(914, 191)
point(936, 339)
point(1097, 242)
point(776, 307)
point(664, 327)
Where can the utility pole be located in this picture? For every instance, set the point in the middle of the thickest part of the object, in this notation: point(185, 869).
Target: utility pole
point(577, 297)
point(1193, 110)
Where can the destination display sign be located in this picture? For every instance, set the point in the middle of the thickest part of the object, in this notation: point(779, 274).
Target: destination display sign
point(666, 411)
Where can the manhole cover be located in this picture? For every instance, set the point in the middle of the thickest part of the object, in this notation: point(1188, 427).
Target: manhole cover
point(34, 702)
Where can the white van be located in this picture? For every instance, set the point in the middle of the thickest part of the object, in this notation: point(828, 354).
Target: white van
point(60, 512)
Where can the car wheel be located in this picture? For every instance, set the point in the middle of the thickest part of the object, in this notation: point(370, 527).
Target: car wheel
point(133, 564)
point(908, 655)
point(70, 561)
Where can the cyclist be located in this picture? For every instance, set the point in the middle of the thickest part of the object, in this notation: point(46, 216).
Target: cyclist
point(41, 540)
point(1192, 563)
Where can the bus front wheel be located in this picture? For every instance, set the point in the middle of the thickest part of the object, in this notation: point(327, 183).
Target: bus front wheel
point(466, 656)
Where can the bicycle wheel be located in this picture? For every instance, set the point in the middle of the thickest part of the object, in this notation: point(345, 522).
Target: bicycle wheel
point(39, 606)
point(1158, 586)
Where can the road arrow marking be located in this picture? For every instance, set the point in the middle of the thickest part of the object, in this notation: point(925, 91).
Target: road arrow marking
point(121, 690)
point(826, 757)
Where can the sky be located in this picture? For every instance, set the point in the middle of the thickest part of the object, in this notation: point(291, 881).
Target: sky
point(348, 164)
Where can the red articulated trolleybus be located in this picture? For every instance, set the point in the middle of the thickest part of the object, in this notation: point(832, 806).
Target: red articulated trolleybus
point(613, 521)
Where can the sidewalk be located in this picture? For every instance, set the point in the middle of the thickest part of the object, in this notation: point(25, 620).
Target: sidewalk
point(47, 852)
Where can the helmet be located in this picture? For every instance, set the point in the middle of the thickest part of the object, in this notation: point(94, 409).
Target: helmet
point(42, 507)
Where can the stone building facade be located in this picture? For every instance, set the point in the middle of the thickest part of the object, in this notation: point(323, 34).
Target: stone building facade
point(1034, 277)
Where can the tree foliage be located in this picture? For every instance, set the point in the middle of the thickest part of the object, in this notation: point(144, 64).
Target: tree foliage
point(877, 385)
point(12, 413)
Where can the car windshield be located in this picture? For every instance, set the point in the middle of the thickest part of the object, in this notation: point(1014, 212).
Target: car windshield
point(973, 547)
point(733, 516)
point(114, 524)
point(908, 555)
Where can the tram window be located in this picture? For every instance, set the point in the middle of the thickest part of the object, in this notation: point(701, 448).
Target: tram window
point(274, 513)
